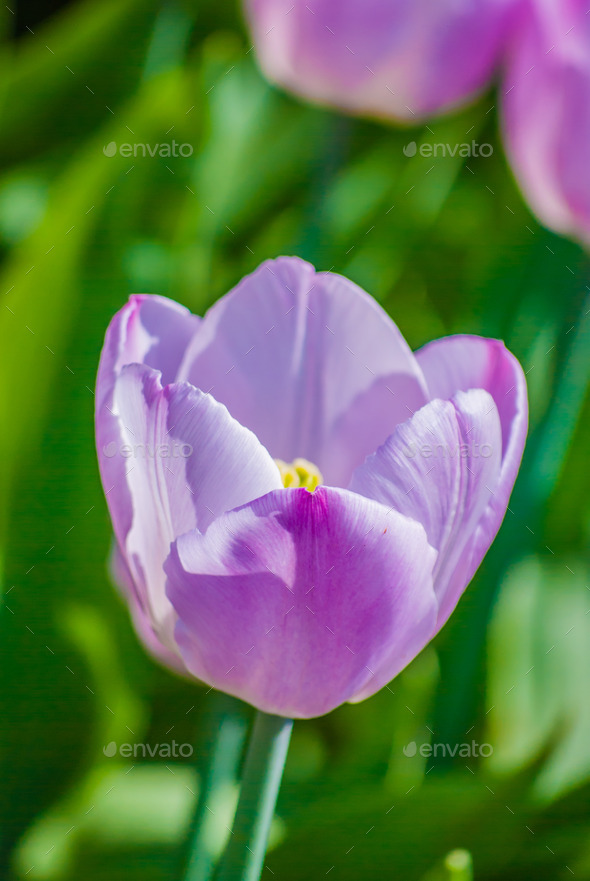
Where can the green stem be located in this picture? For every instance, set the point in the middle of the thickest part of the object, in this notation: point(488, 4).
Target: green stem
point(244, 857)
point(219, 764)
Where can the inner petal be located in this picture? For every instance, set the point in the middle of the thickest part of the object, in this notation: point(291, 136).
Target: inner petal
point(310, 363)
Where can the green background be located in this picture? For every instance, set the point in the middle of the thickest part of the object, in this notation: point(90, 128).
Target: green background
point(446, 245)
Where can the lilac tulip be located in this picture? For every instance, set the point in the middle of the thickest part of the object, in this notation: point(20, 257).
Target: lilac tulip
point(333, 495)
point(546, 98)
point(395, 58)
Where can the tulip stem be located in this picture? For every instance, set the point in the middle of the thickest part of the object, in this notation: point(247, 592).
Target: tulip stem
point(219, 762)
point(263, 769)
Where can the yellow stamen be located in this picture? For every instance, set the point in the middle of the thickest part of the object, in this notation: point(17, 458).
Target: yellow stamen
point(300, 473)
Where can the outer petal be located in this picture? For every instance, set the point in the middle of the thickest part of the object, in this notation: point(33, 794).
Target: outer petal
point(143, 626)
point(310, 363)
point(187, 461)
point(293, 602)
point(398, 58)
point(441, 468)
point(547, 112)
point(147, 330)
point(460, 363)
point(154, 331)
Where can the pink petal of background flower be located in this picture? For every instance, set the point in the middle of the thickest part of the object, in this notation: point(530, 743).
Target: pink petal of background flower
point(546, 112)
point(403, 59)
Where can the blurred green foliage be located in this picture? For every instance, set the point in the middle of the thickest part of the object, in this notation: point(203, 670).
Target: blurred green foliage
point(446, 245)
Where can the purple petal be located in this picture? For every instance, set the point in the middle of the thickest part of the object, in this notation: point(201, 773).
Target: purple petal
point(147, 330)
point(143, 626)
point(297, 601)
point(310, 363)
point(186, 462)
point(547, 112)
point(460, 363)
point(150, 330)
point(397, 58)
point(441, 468)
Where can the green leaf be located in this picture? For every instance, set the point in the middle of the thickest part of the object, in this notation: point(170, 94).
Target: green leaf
point(537, 700)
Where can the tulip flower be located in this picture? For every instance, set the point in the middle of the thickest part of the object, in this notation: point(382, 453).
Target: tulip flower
point(408, 60)
point(298, 500)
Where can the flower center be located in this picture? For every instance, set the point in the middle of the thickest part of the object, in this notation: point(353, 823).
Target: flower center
point(300, 473)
